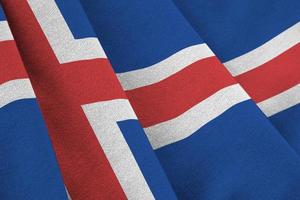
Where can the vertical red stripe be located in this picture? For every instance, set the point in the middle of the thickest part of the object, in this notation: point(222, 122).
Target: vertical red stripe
point(60, 90)
point(11, 66)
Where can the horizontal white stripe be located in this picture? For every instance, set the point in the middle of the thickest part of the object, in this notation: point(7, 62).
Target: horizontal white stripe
point(190, 121)
point(15, 90)
point(65, 46)
point(165, 68)
point(265, 52)
point(103, 117)
point(281, 101)
point(5, 33)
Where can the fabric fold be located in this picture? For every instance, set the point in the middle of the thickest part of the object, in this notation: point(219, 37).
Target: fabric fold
point(101, 148)
point(210, 137)
point(258, 42)
point(28, 166)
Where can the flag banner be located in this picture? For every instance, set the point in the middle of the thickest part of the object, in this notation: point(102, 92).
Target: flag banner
point(200, 122)
point(102, 150)
point(28, 167)
point(144, 100)
point(259, 44)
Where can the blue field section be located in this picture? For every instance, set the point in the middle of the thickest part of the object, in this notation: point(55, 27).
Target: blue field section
point(136, 34)
point(146, 159)
point(234, 27)
point(76, 18)
point(290, 128)
point(28, 167)
point(2, 16)
point(238, 155)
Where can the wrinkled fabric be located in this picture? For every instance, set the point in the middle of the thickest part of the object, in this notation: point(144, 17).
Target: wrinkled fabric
point(149, 100)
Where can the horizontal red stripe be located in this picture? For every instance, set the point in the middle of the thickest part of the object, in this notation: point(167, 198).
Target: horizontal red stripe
point(171, 97)
point(273, 77)
point(77, 83)
point(60, 90)
point(11, 66)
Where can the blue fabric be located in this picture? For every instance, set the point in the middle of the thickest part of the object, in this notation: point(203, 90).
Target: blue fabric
point(146, 159)
point(238, 155)
point(2, 16)
point(28, 167)
point(234, 27)
point(229, 160)
point(152, 30)
point(75, 18)
point(287, 122)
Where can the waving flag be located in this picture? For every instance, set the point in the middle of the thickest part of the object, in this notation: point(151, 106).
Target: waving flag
point(28, 168)
point(199, 121)
point(259, 45)
point(148, 100)
point(102, 151)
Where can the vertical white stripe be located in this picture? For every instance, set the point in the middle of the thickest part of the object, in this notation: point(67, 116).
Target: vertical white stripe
point(103, 117)
point(5, 33)
point(68, 195)
point(66, 48)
